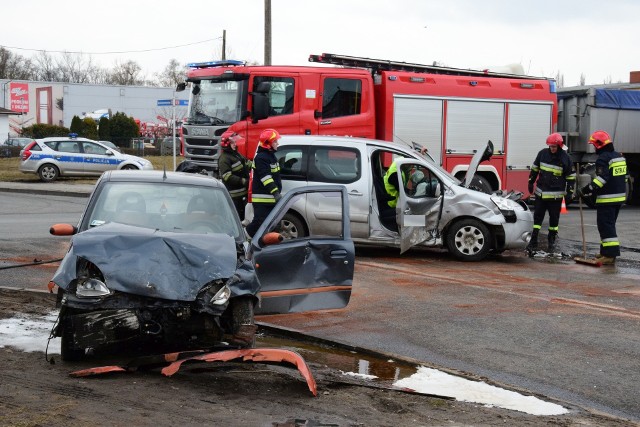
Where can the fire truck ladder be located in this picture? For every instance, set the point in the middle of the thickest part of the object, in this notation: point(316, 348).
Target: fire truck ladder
point(376, 65)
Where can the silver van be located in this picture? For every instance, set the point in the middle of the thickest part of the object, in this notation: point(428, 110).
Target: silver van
point(433, 208)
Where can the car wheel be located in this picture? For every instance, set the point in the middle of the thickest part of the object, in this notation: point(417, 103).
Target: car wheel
point(243, 326)
point(291, 227)
point(469, 240)
point(68, 350)
point(48, 172)
point(129, 168)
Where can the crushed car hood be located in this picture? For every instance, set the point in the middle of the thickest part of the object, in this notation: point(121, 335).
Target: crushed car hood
point(151, 263)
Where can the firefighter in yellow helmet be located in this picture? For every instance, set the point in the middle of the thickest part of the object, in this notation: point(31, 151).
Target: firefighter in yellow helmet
point(265, 184)
point(610, 189)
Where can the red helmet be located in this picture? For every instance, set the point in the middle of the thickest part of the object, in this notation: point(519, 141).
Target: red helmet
point(227, 138)
point(599, 139)
point(267, 137)
point(555, 139)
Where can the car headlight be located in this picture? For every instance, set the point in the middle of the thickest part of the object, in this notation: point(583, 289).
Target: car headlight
point(507, 207)
point(222, 296)
point(92, 288)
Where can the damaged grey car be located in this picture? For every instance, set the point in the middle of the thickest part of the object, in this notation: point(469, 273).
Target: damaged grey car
point(159, 260)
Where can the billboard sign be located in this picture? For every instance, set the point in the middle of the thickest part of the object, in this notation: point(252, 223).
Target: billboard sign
point(19, 97)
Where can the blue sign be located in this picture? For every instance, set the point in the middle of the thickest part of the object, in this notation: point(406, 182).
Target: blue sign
point(183, 102)
point(164, 103)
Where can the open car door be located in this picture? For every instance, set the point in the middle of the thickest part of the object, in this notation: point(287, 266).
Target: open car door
point(420, 203)
point(307, 273)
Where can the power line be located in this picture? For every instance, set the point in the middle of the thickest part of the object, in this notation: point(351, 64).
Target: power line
point(111, 53)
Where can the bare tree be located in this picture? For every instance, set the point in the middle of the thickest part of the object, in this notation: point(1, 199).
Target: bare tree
point(16, 67)
point(172, 74)
point(75, 67)
point(46, 68)
point(583, 79)
point(126, 73)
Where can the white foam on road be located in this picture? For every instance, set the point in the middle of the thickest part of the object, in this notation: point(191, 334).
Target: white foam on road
point(432, 381)
point(29, 333)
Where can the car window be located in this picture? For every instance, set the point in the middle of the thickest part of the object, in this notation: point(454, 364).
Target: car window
point(339, 165)
point(419, 182)
point(164, 207)
point(91, 148)
point(68, 147)
point(292, 160)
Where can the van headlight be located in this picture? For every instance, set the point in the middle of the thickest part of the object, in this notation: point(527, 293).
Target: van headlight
point(222, 296)
point(507, 207)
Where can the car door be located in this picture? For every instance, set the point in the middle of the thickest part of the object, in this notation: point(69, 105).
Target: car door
point(309, 273)
point(96, 159)
point(420, 204)
point(69, 157)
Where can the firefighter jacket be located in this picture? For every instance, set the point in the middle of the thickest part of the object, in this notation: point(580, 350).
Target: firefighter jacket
point(266, 181)
point(234, 168)
point(391, 184)
point(554, 172)
point(610, 183)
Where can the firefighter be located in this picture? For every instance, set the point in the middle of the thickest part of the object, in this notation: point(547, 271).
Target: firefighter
point(609, 186)
point(553, 171)
point(234, 170)
point(390, 179)
point(266, 184)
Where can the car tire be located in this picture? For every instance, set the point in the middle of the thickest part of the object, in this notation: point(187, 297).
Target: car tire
point(48, 172)
point(291, 227)
point(469, 240)
point(68, 350)
point(129, 168)
point(243, 326)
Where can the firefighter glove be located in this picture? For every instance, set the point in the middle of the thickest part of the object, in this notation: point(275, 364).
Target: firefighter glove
point(586, 191)
point(277, 196)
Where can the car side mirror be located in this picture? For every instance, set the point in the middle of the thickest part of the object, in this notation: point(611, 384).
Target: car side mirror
point(181, 87)
point(437, 191)
point(271, 238)
point(63, 230)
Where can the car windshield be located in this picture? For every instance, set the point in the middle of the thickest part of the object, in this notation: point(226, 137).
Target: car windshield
point(165, 207)
point(215, 102)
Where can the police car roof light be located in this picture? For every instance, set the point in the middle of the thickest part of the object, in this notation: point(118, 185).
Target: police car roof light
point(73, 135)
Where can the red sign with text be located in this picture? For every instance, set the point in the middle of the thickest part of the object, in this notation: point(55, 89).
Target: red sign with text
point(19, 97)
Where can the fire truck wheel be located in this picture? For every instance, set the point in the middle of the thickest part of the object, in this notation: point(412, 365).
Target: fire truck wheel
point(469, 240)
point(479, 183)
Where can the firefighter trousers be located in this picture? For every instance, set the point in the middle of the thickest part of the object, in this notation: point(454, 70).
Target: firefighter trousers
point(260, 212)
point(240, 203)
point(607, 217)
point(553, 206)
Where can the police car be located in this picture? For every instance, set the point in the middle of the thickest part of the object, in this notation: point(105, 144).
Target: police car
point(73, 156)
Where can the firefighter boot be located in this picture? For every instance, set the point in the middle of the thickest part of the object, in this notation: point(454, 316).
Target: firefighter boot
point(533, 242)
point(551, 242)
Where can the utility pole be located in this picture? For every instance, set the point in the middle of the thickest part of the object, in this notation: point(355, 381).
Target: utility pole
point(224, 44)
point(267, 32)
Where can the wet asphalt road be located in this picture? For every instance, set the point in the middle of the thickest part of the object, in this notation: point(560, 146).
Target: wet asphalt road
point(554, 327)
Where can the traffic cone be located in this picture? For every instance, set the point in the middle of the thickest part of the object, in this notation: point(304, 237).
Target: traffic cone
point(563, 207)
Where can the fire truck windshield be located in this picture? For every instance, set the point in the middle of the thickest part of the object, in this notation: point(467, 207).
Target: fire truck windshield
point(215, 102)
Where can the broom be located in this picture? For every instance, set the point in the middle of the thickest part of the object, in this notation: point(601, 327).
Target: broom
point(584, 259)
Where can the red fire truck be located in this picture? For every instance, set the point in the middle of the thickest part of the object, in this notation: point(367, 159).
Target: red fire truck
point(452, 112)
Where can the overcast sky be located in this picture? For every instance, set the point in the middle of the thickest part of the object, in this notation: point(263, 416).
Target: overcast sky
point(599, 39)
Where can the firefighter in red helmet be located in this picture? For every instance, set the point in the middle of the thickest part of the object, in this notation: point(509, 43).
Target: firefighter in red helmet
point(609, 187)
point(266, 184)
point(234, 170)
point(552, 172)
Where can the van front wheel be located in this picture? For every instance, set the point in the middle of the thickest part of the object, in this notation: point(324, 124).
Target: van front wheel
point(469, 240)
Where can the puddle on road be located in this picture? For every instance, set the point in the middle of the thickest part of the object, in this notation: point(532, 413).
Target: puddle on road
point(30, 333)
point(399, 375)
